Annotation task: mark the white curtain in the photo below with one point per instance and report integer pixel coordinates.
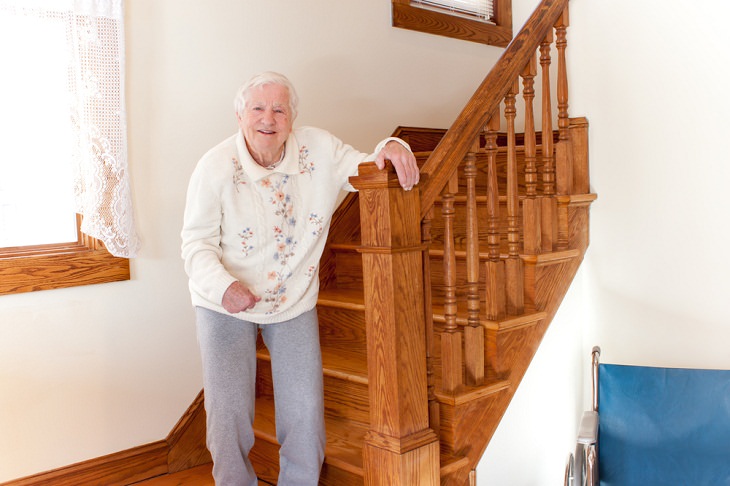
(95, 38)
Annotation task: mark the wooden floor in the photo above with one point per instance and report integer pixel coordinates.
(197, 476)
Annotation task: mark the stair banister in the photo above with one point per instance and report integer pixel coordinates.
(401, 446)
(447, 156)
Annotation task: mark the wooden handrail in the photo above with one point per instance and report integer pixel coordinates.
(450, 152)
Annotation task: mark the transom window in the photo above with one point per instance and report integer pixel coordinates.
(484, 21)
(479, 9)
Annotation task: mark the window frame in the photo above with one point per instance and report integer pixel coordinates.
(63, 265)
(442, 22)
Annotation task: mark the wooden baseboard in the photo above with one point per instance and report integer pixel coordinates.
(187, 438)
(183, 448)
(120, 468)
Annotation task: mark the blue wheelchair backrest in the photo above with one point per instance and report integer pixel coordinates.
(663, 426)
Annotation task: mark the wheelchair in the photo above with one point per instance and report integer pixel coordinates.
(651, 426)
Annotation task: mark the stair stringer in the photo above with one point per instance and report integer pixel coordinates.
(472, 424)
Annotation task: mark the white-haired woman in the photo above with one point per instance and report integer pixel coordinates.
(258, 210)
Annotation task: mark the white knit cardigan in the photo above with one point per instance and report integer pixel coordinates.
(265, 227)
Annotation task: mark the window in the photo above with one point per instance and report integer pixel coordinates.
(479, 9)
(484, 21)
(35, 151)
(63, 146)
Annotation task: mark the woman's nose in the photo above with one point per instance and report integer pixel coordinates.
(268, 117)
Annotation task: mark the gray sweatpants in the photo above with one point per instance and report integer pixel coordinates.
(228, 350)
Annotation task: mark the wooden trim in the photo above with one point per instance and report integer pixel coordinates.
(184, 448)
(187, 438)
(499, 34)
(120, 468)
(43, 267)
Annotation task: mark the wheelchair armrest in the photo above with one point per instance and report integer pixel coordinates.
(588, 431)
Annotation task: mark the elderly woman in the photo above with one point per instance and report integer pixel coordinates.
(258, 210)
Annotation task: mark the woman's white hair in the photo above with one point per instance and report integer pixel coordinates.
(263, 79)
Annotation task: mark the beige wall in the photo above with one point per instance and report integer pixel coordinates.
(94, 370)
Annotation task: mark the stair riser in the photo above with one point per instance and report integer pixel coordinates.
(482, 172)
(502, 345)
(342, 328)
(348, 270)
(264, 458)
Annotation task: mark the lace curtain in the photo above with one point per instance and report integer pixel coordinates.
(95, 38)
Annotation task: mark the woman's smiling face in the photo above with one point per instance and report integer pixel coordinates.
(266, 122)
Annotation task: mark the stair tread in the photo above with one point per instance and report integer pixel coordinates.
(529, 316)
(342, 298)
(465, 394)
(337, 363)
(436, 250)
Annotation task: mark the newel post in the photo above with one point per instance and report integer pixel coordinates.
(399, 448)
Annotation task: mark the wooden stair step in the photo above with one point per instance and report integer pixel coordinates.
(529, 317)
(466, 394)
(331, 296)
(342, 298)
(339, 364)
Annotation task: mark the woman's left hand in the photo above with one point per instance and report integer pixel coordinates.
(403, 161)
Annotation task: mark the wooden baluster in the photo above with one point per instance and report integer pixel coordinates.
(473, 333)
(433, 404)
(451, 344)
(563, 149)
(495, 297)
(531, 205)
(561, 43)
(548, 203)
(513, 265)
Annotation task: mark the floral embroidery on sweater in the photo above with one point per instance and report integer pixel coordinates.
(238, 177)
(285, 243)
(316, 222)
(246, 245)
(305, 167)
(310, 271)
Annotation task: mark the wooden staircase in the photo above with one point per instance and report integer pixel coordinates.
(433, 302)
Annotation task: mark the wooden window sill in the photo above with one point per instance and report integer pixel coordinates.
(45, 267)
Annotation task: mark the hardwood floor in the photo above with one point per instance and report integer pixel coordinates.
(197, 476)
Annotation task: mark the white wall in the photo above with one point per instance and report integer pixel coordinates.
(652, 79)
(94, 370)
(658, 103)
